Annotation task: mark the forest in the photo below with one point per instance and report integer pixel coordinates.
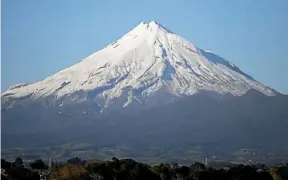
(128, 169)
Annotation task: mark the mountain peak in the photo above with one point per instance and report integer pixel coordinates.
(150, 23)
(153, 25)
(155, 22)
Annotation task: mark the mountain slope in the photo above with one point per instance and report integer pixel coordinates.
(149, 65)
(252, 121)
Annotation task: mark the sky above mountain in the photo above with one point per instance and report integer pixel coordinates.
(40, 38)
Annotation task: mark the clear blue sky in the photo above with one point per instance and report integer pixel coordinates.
(40, 38)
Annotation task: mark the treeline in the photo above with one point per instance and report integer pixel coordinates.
(123, 169)
(16, 171)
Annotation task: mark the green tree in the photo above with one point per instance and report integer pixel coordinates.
(38, 164)
(182, 172)
(18, 162)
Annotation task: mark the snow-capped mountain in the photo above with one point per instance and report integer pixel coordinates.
(147, 65)
(199, 100)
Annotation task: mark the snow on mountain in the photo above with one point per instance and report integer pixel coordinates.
(144, 64)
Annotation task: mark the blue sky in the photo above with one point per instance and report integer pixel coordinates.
(40, 38)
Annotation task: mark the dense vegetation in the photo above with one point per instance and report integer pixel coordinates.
(263, 119)
(129, 169)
